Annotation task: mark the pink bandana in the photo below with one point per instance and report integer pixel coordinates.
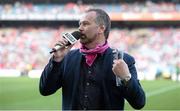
(91, 54)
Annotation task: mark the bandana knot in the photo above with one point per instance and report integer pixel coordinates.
(91, 54)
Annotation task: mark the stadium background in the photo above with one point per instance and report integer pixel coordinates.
(147, 29)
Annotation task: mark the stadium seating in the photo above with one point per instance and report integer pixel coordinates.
(27, 48)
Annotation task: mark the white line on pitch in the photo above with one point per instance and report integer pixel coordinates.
(162, 90)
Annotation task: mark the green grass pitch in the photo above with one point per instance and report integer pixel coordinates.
(23, 94)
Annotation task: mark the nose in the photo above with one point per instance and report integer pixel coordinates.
(80, 28)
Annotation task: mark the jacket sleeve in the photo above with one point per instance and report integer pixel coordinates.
(50, 80)
(133, 91)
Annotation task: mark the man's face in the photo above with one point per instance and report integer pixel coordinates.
(88, 28)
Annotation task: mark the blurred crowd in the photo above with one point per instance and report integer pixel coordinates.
(27, 48)
(76, 8)
(156, 50)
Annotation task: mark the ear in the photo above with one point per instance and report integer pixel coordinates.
(101, 29)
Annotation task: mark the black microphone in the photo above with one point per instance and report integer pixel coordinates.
(72, 38)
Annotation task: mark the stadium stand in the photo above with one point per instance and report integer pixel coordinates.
(30, 11)
(25, 44)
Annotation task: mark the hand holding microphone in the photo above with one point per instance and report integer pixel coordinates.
(62, 47)
(71, 39)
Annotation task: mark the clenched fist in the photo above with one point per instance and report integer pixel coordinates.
(120, 68)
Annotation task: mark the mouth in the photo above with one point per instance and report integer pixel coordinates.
(83, 36)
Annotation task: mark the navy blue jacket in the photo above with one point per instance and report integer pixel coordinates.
(66, 74)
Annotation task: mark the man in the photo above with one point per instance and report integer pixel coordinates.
(87, 75)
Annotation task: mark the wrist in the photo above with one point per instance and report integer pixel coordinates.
(126, 79)
(57, 59)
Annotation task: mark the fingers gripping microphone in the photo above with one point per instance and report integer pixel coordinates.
(71, 38)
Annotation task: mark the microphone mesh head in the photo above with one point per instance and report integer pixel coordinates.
(76, 34)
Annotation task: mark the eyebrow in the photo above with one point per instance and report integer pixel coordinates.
(83, 22)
